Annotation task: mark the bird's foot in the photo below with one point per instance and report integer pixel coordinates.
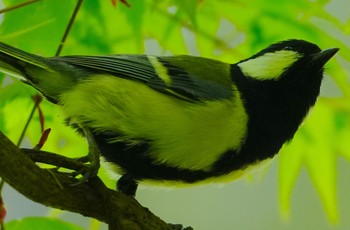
(75, 166)
(93, 158)
(88, 171)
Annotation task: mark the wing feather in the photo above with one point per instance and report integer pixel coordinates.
(184, 83)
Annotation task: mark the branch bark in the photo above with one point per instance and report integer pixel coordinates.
(92, 199)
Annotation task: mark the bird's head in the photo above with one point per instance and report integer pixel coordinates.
(286, 58)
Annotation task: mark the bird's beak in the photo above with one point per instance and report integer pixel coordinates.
(323, 57)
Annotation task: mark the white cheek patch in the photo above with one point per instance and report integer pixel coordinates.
(270, 66)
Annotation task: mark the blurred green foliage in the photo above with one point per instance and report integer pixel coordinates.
(40, 223)
(221, 29)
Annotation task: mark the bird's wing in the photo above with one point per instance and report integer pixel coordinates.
(186, 77)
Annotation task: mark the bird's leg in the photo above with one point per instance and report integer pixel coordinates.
(93, 156)
(127, 185)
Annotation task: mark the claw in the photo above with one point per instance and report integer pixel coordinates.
(87, 174)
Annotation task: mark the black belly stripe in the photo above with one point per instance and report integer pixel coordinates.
(135, 161)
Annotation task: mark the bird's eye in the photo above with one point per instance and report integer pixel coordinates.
(288, 48)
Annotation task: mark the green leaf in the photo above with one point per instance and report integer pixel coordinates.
(38, 32)
(190, 9)
(315, 147)
(135, 16)
(40, 223)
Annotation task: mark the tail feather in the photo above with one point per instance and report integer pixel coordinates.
(20, 55)
(49, 77)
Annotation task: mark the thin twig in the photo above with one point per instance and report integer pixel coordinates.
(19, 142)
(70, 24)
(7, 9)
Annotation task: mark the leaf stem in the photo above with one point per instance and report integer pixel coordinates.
(19, 142)
(7, 9)
(70, 24)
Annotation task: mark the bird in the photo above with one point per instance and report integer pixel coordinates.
(179, 120)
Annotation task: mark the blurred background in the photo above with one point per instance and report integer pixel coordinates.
(305, 187)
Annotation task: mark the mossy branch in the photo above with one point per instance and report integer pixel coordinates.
(91, 199)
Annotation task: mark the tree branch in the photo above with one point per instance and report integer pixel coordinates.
(92, 199)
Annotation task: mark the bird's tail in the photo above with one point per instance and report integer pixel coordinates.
(49, 76)
(14, 61)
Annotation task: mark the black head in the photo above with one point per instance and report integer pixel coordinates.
(300, 46)
(278, 86)
(275, 61)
